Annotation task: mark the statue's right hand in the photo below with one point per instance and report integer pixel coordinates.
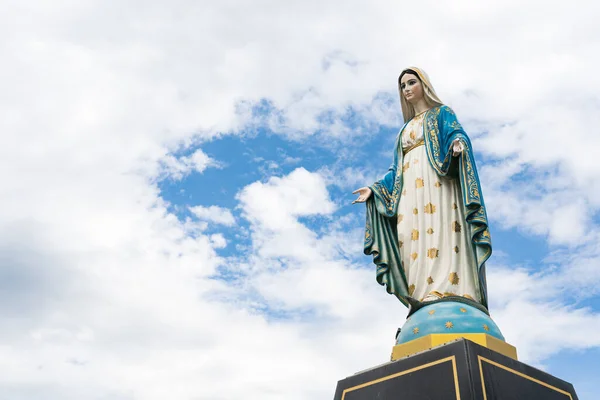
(363, 194)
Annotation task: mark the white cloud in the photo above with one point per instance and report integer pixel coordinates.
(218, 241)
(537, 314)
(215, 214)
(277, 202)
(177, 168)
(295, 264)
(558, 216)
(350, 178)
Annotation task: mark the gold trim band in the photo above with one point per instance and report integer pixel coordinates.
(414, 146)
(437, 339)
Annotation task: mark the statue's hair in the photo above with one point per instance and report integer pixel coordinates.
(408, 71)
(431, 98)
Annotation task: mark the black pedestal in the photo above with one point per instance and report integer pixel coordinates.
(459, 370)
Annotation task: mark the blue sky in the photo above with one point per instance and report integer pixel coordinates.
(176, 212)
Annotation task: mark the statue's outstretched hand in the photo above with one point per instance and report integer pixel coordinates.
(363, 194)
(457, 147)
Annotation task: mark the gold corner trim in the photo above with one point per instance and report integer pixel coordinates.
(522, 375)
(455, 372)
(437, 339)
(452, 359)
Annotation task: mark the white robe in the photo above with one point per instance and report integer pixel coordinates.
(437, 254)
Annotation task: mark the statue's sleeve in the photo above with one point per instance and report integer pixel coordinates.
(381, 237)
(449, 130)
(386, 191)
(388, 180)
(465, 165)
(381, 242)
(452, 128)
(383, 189)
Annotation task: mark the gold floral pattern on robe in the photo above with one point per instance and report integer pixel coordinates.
(456, 227)
(453, 278)
(433, 253)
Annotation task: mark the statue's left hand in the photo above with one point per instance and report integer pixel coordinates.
(457, 147)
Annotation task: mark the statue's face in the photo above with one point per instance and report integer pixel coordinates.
(411, 87)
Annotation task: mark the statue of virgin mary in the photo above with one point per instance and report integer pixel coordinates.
(427, 226)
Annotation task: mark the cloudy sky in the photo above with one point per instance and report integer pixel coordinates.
(176, 182)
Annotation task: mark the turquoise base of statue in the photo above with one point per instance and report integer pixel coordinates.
(447, 317)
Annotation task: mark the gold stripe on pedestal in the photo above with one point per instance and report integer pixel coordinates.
(522, 375)
(436, 339)
(451, 359)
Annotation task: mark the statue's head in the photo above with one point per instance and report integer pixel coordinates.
(414, 85)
